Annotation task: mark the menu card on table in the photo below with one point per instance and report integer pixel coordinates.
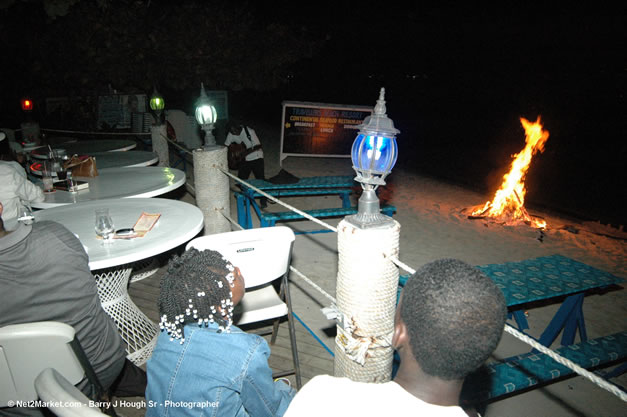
(145, 223)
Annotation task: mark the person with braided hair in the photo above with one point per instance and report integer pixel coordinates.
(202, 361)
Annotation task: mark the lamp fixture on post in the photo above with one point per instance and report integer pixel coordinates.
(206, 116)
(157, 104)
(374, 154)
(158, 131)
(27, 104)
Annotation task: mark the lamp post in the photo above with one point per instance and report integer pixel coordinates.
(367, 280)
(158, 131)
(374, 154)
(210, 184)
(30, 128)
(206, 116)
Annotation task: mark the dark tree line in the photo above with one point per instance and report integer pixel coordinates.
(79, 47)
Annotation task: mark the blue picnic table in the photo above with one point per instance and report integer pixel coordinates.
(308, 186)
(546, 278)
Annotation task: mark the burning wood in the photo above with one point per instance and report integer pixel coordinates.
(507, 206)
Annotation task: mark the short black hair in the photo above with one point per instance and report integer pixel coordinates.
(454, 316)
(196, 288)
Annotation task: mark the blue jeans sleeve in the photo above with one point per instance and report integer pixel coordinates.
(262, 396)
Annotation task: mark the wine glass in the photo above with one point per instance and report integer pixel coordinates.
(104, 224)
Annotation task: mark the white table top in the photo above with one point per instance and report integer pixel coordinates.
(112, 160)
(179, 223)
(119, 183)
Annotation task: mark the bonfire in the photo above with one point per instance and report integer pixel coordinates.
(508, 205)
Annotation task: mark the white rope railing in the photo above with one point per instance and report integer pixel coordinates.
(176, 144)
(567, 363)
(400, 264)
(508, 329)
(95, 133)
(233, 221)
(268, 196)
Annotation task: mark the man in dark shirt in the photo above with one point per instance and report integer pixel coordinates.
(45, 276)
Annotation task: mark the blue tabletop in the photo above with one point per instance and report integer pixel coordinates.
(545, 277)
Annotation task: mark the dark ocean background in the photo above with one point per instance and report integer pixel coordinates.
(458, 80)
(458, 77)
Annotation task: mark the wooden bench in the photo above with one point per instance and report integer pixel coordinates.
(270, 219)
(531, 370)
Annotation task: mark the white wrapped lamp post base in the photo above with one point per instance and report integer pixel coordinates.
(212, 188)
(366, 289)
(158, 134)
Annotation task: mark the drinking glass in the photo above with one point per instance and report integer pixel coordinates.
(46, 177)
(104, 224)
(48, 184)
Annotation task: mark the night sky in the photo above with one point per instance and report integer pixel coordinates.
(457, 77)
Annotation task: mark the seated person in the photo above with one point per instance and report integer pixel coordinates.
(44, 276)
(15, 189)
(449, 320)
(202, 360)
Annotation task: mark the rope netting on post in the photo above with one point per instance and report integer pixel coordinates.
(212, 189)
(366, 296)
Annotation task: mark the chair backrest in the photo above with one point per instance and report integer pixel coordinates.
(262, 254)
(64, 399)
(29, 348)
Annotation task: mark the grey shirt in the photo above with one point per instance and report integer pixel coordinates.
(44, 276)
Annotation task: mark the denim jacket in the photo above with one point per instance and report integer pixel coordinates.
(213, 374)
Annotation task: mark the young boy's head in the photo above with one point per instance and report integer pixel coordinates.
(454, 316)
(199, 287)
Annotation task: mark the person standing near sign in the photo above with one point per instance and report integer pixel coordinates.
(245, 153)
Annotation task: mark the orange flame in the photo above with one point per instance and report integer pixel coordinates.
(508, 202)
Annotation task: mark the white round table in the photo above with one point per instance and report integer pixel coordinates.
(119, 183)
(111, 262)
(104, 160)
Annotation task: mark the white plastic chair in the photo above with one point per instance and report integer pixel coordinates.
(64, 399)
(29, 348)
(262, 255)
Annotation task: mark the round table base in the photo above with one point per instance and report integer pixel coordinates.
(138, 331)
(144, 269)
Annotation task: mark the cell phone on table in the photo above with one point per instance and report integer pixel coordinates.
(125, 232)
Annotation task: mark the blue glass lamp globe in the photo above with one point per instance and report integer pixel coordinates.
(374, 150)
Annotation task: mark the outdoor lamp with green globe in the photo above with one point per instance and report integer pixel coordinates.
(374, 154)
(157, 104)
(206, 116)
